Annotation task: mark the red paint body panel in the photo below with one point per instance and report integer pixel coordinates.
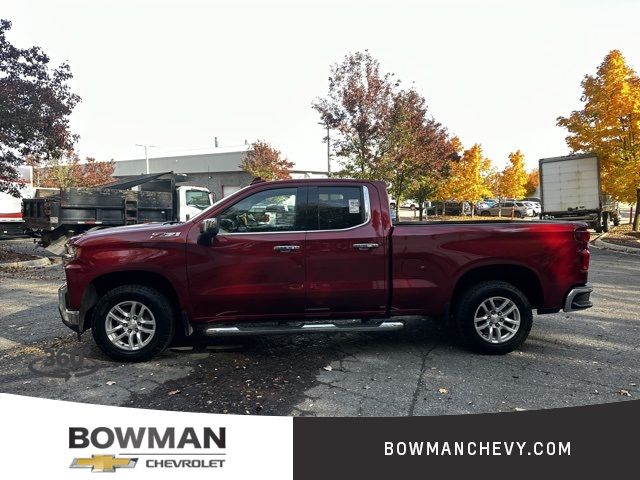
(414, 269)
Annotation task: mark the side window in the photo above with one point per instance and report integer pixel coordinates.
(273, 210)
(340, 207)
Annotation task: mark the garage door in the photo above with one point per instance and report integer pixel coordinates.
(229, 189)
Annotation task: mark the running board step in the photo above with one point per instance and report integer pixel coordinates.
(304, 328)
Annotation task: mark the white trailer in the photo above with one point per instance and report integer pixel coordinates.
(11, 223)
(570, 190)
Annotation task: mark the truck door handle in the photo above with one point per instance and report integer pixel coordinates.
(286, 248)
(365, 246)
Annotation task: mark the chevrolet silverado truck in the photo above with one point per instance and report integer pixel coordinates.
(321, 255)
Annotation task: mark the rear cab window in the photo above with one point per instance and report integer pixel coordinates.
(337, 207)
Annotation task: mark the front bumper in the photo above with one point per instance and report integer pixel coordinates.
(71, 318)
(578, 299)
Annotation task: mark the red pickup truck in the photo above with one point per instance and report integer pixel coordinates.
(301, 256)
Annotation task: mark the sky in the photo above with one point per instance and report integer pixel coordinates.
(176, 74)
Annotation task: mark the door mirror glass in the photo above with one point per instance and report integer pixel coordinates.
(209, 227)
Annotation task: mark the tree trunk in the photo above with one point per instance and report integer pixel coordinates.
(636, 218)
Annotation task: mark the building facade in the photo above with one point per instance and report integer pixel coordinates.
(218, 170)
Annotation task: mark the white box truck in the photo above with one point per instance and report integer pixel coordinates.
(570, 190)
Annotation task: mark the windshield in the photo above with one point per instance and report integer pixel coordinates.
(198, 198)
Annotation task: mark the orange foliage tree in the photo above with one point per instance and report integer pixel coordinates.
(265, 162)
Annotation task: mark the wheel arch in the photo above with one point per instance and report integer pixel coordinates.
(108, 281)
(521, 277)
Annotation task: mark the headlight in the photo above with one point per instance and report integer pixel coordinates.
(71, 252)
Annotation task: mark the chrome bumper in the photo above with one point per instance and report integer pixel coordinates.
(71, 318)
(578, 299)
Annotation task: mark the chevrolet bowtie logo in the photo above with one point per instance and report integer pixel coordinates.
(103, 463)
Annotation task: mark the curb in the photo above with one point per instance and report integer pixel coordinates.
(38, 262)
(599, 243)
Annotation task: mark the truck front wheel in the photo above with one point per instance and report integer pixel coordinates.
(494, 317)
(133, 323)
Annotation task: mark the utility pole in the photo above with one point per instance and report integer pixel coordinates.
(326, 125)
(146, 154)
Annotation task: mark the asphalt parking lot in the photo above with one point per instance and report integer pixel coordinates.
(569, 360)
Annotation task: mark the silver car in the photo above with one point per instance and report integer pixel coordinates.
(505, 208)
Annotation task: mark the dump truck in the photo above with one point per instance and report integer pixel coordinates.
(132, 200)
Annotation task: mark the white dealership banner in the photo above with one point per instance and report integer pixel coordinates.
(42, 438)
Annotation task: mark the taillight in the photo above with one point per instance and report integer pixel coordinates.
(582, 237)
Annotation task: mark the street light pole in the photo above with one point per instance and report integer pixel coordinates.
(326, 125)
(328, 153)
(146, 155)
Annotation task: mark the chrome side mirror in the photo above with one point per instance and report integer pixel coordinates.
(209, 227)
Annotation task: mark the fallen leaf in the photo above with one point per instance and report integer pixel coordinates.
(624, 393)
(443, 390)
(174, 392)
(111, 382)
(328, 368)
(518, 409)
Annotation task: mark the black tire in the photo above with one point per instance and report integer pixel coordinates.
(517, 214)
(485, 213)
(161, 309)
(470, 302)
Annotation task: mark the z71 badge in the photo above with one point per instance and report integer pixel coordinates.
(165, 234)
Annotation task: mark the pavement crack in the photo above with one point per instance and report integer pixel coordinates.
(423, 369)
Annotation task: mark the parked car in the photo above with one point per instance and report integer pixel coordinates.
(329, 253)
(449, 208)
(410, 204)
(505, 209)
(535, 206)
(484, 204)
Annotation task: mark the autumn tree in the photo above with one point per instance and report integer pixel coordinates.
(468, 179)
(35, 104)
(609, 125)
(437, 151)
(264, 161)
(70, 171)
(533, 182)
(358, 108)
(418, 149)
(514, 176)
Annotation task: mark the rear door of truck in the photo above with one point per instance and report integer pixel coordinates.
(345, 251)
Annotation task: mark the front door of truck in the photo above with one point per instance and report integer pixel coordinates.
(254, 266)
(345, 252)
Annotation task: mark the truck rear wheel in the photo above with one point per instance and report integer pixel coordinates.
(605, 221)
(494, 317)
(133, 323)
